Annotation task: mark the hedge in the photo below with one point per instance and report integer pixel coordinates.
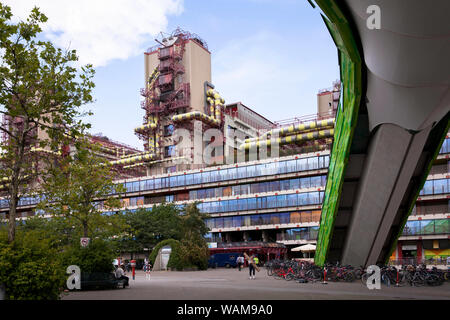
(175, 261)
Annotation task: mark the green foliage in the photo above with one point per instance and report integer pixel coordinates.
(54, 229)
(193, 226)
(42, 90)
(194, 249)
(30, 267)
(98, 256)
(191, 251)
(194, 255)
(148, 227)
(73, 185)
(175, 261)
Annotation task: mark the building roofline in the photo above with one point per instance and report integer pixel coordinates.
(239, 102)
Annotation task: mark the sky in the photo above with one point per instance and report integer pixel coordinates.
(272, 55)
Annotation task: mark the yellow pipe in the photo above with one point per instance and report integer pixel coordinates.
(218, 113)
(303, 127)
(33, 149)
(131, 160)
(197, 115)
(290, 139)
(151, 162)
(146, 127)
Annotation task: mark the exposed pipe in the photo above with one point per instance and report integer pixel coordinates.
(302, 127)
(33, 149)
(290, 139)
(134, 159)
(197, 115)
(151, 162)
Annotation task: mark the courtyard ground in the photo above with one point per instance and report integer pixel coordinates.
(231, 284)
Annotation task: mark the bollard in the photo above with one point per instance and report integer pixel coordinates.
(324, 276)
(397, 284)
(133, 267)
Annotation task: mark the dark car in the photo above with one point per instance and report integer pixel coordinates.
(100, 280)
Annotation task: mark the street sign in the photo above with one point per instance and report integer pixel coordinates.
(84, 242)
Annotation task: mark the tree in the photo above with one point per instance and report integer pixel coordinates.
(75, 186)
(97, 257)
(194, 249)
(148, 227)
(193, 226)
(41, 94)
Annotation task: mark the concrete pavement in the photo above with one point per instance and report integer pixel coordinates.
(230, 284)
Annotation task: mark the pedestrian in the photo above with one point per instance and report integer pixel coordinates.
(240, 262)
(256, 259)
(147, 268)
(251, 266)
(120, 274)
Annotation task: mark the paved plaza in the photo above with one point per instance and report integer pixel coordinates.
(230, 284)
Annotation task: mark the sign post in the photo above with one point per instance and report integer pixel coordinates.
(133, 267)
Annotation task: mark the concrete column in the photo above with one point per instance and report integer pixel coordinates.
(265, 236)
(245, 236)
(419, 250)
(391, 159)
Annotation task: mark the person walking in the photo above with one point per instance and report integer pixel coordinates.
(251, 266)
(240, 262)
(147, 268)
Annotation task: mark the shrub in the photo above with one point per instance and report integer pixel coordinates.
(175, 261)
(194, 255)
(185, 254)
(98, 256)
(31, 268)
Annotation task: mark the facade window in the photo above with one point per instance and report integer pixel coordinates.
(168, 130)
(169, 151)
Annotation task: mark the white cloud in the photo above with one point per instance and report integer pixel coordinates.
(101, 30)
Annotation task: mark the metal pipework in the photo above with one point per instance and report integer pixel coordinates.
(151, 162)
(289, 139)
(152, 123)
(197, 115)
(308, 126)
(146, 127)
(45, 151)
(134, 159)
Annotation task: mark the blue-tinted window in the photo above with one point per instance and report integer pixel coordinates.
(251, 204)
(440, 186)
(181, 180)
(189, 179)
(292, 200)
(237, 221)
(172, 182)
(302, 164)
(313, 163)
(281, 201)
(428, 187)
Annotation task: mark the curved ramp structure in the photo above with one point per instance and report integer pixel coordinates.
(390, 125)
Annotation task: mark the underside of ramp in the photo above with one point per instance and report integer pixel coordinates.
(393, 126)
